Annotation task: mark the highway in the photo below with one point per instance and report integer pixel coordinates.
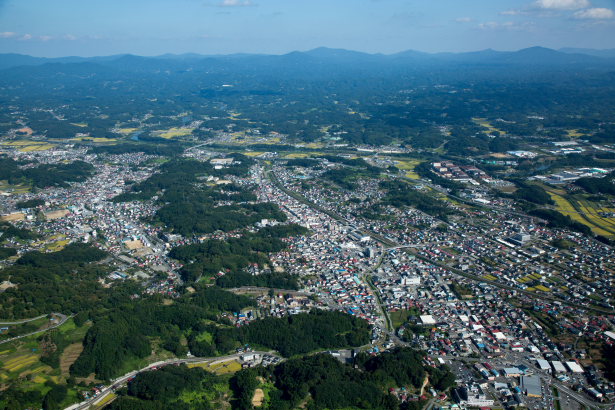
(63, 319)
(123, 380)
(21, 322)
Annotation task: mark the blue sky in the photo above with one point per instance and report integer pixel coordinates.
(153, 27)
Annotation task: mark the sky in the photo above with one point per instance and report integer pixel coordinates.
(53, 28)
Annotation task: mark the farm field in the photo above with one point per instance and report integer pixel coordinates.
(28, 146)
(20, 361)
(228, 367)
(583, 211)
(175, 133)
(484, 123)
(95, 139)
(408, 166)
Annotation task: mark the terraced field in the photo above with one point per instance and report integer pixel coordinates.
(583, 211)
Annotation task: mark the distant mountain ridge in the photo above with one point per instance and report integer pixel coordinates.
(323, 56)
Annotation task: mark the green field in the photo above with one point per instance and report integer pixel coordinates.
(578, 208)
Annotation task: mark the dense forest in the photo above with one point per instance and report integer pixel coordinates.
(315, 382)
(401, 194)
(64, 281)
(44, 175)
(597, 185)
(191, 208)
(207, 259)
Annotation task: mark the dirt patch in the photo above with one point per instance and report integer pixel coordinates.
(259, 397)
(71, 353)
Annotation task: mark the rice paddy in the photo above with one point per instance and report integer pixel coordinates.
(28, 146)
(100, 140)
(585, 212)
(175, 133)
(127, 131)
(408, 167)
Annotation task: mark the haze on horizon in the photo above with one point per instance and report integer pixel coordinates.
(154, 27)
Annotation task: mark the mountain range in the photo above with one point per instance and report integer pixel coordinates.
(534, 56)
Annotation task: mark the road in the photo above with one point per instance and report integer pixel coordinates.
(21, 322)
(393, 245)
(390, 244)
(123, 380)
(63, 319)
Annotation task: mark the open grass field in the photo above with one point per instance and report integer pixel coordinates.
(484, 123)
(400, 317)
(69, 356)
(296, 155)
(228, 367)
(127, 131)
(408, 166)
(56, 245)
(574, 133)
(106, 400)
(99, 140)
(15, 189)
(175, 133)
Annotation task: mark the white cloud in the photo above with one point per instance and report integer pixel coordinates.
(512, 13)
(236, 3)
(507, 25)
(463, 20)
(26, 37)
(45, 38)
(8, 34)
(597, 13)
(562, 4)
(69, 37)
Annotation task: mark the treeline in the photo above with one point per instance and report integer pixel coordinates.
(233, 255)
(306, 332)
(162, 389)
(123, 334)
(291, 335)
(44, 175)
(597, 185)
(31, 203)
(163, 150)
(182, 173)
(401, 194)
(191, 209)
(6, 253)
(532, 193)
(328, 384)
(64, 281)
(353, 170)
(319, 382)
(556, 219)
(9, 231)
(302, 162)
(188, 216)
